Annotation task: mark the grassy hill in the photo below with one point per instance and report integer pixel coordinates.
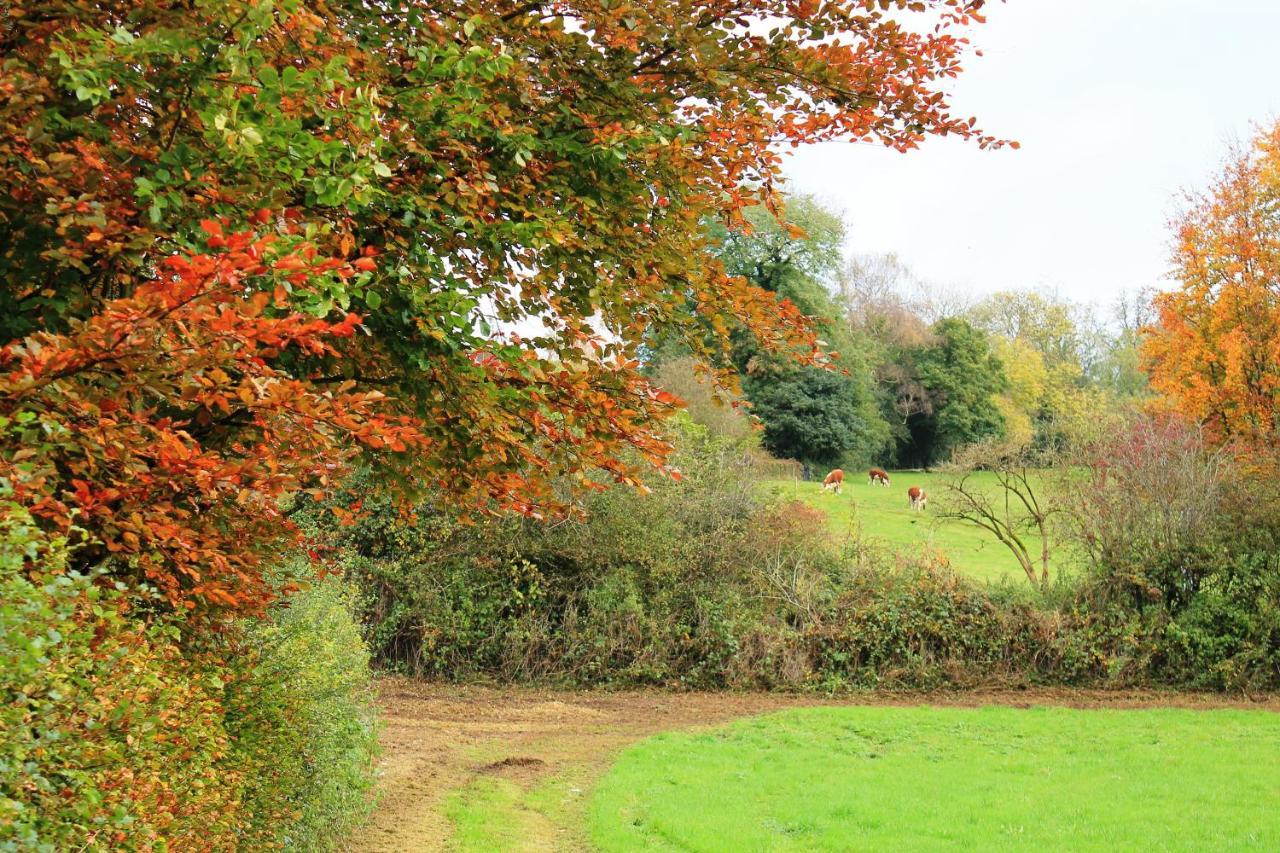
(884, 516)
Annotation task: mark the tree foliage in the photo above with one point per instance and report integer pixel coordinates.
(816, 416)
(242, 241)
(793, 258)
(821, 415)
(99, 450)
(1057, 329)
(1214, 349)
(1062, 367)
(962, 377)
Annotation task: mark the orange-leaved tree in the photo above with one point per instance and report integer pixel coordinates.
(160, 430)
(1214, 349)
(240, 242)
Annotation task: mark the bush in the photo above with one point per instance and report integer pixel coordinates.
(698, 584)
(303, 722)
(656, 588)
(919, 626)
(703, 584)
(1184, 559)
(110, 734)
(119, 732)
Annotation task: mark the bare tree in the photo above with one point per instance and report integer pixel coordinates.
(884, 295)
(1016, 511)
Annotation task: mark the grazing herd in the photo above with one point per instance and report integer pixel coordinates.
(834, 482)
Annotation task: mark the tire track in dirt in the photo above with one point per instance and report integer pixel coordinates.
(437, 739)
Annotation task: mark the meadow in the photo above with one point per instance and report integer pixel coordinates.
(882, 516)
(926, 778)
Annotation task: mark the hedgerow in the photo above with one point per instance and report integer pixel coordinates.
(703, 583)
(120, 731)
(113, 734)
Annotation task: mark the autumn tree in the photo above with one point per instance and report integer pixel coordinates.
(1213, 351)
(820, 415)
(895, 311)
(242, 241)
(882, 296)
(1060, 330)
(1053, 351)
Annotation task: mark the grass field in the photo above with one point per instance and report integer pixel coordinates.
(885, 516)
(991, 778)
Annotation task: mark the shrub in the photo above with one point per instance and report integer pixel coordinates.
(702, 583)
(699, 583)
(1184, 566)
(110, 734)
(922, 625)
(1152, 487)
(117, 731)
(653, 588)
(303, 723)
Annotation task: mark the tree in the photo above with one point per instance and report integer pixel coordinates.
(1055, 355)
(819, 415)
(882, 296)
(1057, 329)
(961, 376)
(1021, 404)
(1015, 511)
(362, 203)
(1214, 349)
(1120, 370)
(893, 310)
(792, 257)
(815, 416)
(722, 414)
(93, 447)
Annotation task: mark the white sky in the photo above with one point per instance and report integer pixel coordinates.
(1118, 104)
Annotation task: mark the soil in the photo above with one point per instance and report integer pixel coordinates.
(439, 738)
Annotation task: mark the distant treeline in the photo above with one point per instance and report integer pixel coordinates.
(917, 371)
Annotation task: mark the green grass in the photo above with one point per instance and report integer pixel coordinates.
(885, 516)
(488, 815)
(944, 778)
(492, 813)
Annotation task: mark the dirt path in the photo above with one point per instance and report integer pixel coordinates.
(438, 739)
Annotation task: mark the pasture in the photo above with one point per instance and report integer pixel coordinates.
(882, 516)
(924, 778)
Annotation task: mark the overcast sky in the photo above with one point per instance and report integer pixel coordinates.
(1118, 104)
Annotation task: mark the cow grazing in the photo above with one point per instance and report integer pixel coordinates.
(834, 481)
(918, 498)
(877, 477)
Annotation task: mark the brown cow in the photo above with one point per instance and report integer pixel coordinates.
(875, 475)
(918, 497)
(834, 481)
